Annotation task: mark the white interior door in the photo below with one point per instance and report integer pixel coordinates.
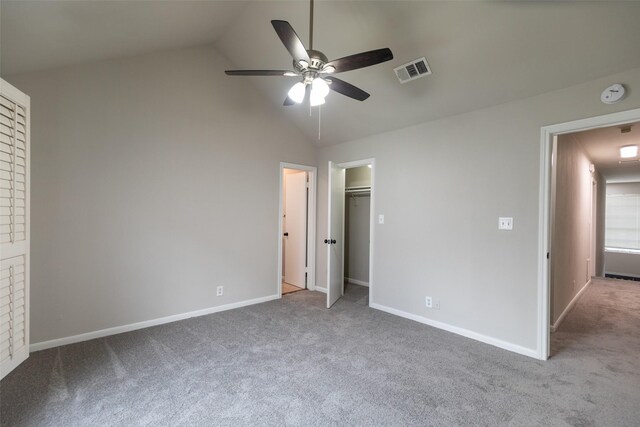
(295, 228)
(335, 234)
(14, 227)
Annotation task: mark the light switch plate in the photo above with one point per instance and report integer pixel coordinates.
(505, 223)
(380, 219)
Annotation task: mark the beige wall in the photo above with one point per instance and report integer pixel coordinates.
(442, 186)
(571, 267)
(154, 180)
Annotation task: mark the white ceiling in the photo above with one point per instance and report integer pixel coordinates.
(603, 148)
(481, 53)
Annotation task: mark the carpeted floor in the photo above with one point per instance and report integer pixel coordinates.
(356, 294)
(294, 362)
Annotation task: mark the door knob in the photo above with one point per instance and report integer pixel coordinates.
(333, 241)
(286, 234)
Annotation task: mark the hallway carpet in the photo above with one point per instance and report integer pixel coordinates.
(293, 362)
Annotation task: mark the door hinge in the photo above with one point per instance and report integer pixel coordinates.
(547, 255)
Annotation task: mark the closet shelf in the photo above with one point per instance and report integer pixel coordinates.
(358, 191)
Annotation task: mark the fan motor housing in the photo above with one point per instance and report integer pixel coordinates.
(318, 61)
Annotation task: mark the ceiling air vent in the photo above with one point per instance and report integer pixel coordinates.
(413, 70)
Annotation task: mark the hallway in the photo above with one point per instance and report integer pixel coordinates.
(604, 325)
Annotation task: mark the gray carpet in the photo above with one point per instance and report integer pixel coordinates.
(294, 362)
(356, 294)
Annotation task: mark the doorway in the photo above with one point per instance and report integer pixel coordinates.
(350, 231)
(296, 226)
(548, 210)
(357, 215)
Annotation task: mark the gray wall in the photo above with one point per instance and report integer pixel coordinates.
(154, 180)
(357, 218)
(622, 263)
(442, 186)
(570, 241)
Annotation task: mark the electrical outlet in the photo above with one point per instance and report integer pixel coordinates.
(429, 302)
(219, 291)
(505, 223)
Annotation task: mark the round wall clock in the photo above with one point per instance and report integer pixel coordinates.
(612, 94)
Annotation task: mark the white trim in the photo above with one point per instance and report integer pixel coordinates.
(311, 224)
(460, 331)
(356, 282)
(569, 306)
(321, 289)
(547, 133)
(372, 214)
(145, 324)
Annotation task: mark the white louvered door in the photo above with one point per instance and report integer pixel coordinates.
(14, 227)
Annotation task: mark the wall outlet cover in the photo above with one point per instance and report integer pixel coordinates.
(219, 291)
(505, 223)
(428, 302)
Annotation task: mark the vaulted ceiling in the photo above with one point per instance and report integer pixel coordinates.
(481, 53)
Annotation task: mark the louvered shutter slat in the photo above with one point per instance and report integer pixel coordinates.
(14, 290)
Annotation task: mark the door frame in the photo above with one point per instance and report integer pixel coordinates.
(547, 136)
(593, 232)
(311, 223)
(348, 165)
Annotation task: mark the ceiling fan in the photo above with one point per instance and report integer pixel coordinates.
(315, 69)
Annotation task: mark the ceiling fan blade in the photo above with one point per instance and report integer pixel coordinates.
(261, 73)
(347, 89)
(361, 60)
(291, 40)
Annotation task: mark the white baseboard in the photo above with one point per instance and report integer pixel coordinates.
(356, 282)
(320, 289)
(145, 324)
(460, 331)
(569, 306)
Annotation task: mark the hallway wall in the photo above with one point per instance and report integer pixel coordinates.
(571, 245)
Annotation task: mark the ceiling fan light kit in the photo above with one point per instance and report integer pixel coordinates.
(297, 92)
(315, 69)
